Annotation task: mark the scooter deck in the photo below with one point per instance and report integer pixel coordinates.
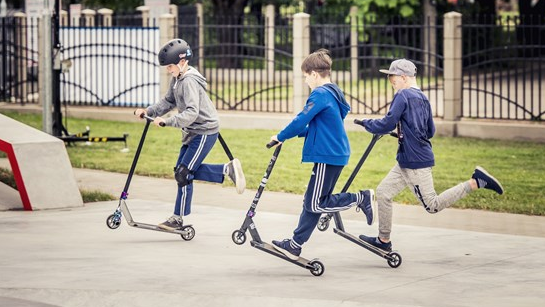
(266, 247)
(380, 252)
(182, 231)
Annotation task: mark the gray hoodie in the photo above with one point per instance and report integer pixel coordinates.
(196, 113)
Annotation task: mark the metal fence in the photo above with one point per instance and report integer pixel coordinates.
(503, 68)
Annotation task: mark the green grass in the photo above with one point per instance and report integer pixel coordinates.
(519, 165)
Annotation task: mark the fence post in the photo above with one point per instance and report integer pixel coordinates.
(21, 62)
(63, 20)
(430, 38)
(173, 9)
(166, 33)
(453, 67)
(269, 39)
(106, 17)
(354, 43)
(200, 21)
(45, 71)
(301, 49)
(144, 10)
(89, 17)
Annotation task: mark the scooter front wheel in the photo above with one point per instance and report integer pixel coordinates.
(238, 237)
(189, 233)
(113, 221)
(323, 223)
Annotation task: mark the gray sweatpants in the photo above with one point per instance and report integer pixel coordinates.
(421, 183)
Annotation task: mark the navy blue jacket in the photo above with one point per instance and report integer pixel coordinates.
(411, 110)
(321, 123)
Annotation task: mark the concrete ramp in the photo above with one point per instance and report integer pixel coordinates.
(40, 166)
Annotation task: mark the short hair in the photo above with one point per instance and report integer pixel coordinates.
(319, 61)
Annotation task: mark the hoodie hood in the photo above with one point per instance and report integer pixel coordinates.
(195, 75)
(339, 96)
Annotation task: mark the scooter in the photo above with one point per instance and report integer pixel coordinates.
(393, 258)
(315, 267)
(187, 232)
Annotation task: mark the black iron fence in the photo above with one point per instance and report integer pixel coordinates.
(503, 67)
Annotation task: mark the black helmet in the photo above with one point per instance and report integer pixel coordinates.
(173, 51)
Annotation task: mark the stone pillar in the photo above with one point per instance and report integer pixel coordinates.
(430, 37)
(200, 47)
(89, 17)
(173, 10)
(145, 15)
(21, 57)
(106, 17)
(354, 43)
(63, 20)
(453, 66)
(166, 33)
(301, 49)
(269, 39)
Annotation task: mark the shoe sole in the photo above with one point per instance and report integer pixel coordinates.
(240, 184)
(373, 206)
(482, 170)
(285, 252)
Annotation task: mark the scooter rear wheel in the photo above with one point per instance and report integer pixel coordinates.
(190, 233)
(394, 260)
(318, 268)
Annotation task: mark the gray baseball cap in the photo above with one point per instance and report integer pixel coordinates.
(401, 67)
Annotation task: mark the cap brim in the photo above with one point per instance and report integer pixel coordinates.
(385, 71)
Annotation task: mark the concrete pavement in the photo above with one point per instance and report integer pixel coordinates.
(68, 257)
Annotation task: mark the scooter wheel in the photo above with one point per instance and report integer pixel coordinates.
(190, 233)
(113, 221)
(238, 237)
(323, 223)
(318, 268)
(394, 260)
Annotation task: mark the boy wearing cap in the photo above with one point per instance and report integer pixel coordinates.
(198, 120)
(410, 114)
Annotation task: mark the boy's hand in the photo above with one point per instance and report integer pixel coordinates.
(140, 113)
(159, 121)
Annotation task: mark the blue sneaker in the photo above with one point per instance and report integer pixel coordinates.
(486, 181)
(288, 247)
(367, 204)
(375, 241)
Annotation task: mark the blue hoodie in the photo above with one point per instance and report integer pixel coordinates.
(321, 123)
(412, 111)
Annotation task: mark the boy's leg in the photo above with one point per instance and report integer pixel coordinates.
(389, 187)
(192, 157)
(421, 181)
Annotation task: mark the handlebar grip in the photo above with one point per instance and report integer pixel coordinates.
(393, 134)
(272, 144)
(162, 124)
(358, 122)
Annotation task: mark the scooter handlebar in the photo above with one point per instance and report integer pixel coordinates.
(360, 122)
(272, 144)
(162, 124)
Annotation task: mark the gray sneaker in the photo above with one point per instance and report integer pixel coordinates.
(173, 223)
(234, 171)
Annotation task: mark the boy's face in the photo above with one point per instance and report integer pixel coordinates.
(398, 82)
(311, 79)
(174, 70)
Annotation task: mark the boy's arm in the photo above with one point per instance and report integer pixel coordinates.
(388, 122)
(298, 125)
(164, 105)
(191, 111)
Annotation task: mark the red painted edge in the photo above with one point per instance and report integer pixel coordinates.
(8, 149)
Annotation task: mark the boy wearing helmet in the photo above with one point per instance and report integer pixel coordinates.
(198, 119)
